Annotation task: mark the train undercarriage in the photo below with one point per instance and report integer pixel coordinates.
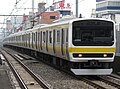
(92, 67)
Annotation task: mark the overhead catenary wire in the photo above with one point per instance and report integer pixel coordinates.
(8, 16)
(15, 5)
(19, 8)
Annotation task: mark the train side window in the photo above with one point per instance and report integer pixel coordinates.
(41, 39)
(44, 37)
(23, 38)
(50, 36)
(34, 37)
(58, 36)
(18, 38)
(38, 37)
(63, 35)
(36, 34)
(67, 35)
(14, 37)
(27, 37)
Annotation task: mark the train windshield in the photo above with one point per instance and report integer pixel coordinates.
(93, 33)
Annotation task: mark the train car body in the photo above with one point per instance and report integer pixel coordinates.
(84, 45)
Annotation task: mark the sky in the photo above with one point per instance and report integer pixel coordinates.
(8, 6)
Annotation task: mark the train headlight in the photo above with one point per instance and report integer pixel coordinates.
(79, 55)
(105, 55)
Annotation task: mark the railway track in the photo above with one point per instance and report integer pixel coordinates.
(25, 77)
(101, 82)
(109, 81)
(92, 83)
(98, 82)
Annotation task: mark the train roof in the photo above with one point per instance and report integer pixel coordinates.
(57, 23)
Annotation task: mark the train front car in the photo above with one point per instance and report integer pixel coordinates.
(93, 46)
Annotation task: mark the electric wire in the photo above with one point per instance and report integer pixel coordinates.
(24, 9)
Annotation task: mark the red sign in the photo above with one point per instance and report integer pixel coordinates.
(61, 4)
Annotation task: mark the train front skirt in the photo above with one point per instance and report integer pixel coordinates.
(92, 71)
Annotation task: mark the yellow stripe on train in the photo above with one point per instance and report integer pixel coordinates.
(91, 50)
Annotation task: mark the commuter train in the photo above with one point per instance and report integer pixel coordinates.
(85, 46)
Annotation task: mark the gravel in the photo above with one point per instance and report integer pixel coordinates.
(56, 78)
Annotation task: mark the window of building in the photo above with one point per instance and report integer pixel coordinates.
(113, 3)
(52, 17)
(103, 4)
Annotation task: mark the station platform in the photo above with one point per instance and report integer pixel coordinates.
(5, 82)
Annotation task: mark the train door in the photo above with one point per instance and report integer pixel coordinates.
(66, 43)
(54, 41)
(29, 39)
(36, 40)
(46, 40)
(22, 40)
(32, 40)
(50, 45)
(41, 40)
(62, 41)
(26, 40)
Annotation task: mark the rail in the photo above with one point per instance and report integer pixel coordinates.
(39, 80)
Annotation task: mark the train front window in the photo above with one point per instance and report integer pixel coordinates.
(93, 33)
